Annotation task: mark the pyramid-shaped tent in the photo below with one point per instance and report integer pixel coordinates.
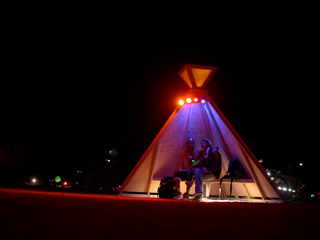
(199, 119)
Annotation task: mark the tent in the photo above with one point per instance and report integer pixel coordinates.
(200, 118)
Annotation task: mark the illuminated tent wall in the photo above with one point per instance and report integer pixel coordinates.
(199, 119)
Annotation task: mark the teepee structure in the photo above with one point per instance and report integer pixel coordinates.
(199, 118)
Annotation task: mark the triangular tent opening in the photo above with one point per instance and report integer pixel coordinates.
(199, 120)
(196, 76)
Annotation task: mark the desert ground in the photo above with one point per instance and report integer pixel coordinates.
(43, 214)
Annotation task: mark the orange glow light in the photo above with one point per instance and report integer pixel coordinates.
(181, 102)
(195, 99)
(188, 100)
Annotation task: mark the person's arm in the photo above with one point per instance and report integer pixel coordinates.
(185, 161)
(197, 155)
(217, 164)
(215, 152)
(205, 156)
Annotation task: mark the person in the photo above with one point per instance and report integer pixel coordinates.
(190, 159)
(210, 167)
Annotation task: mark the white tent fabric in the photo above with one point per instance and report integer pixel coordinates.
(199, 120)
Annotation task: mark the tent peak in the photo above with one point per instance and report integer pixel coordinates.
(196, 76)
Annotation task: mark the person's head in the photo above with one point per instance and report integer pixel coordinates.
(205, 143)
(190, 143)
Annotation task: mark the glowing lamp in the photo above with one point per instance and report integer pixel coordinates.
(34, 180)
(57, 179)
(113, 152)
(181, 102)
(188, 100)
(193, 161)
(203, 101)
(195, 99)
(65, 183)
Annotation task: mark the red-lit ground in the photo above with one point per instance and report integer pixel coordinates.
(35, 214)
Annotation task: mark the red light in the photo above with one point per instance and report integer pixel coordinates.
(188, 100)
(195, 99)
(181, 102)
(65, 183)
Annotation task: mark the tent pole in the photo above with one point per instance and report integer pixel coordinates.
(184, 137)
(224, 144)
(245, 147)
(256, 180)
(247, 150)
(154, 156)
(207, 124)
(211, 135)
(149, 149)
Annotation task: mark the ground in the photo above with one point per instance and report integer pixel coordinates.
(40, 214)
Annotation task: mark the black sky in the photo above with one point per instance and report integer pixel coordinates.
(70, 92)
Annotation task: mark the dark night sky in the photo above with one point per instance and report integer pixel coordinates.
(71, 92)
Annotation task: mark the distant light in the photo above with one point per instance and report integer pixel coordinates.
(203, 101)
(107, 160)
(301, 164)
(65, 183)
(57, 179)
(34, 180)
(284, 189)
(181, 102)
(113, 152)
(188, 100)
(269, 173)
(195, 99)
(260, 160)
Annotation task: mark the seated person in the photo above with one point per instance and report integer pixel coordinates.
(210, 167)
(189, 162)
